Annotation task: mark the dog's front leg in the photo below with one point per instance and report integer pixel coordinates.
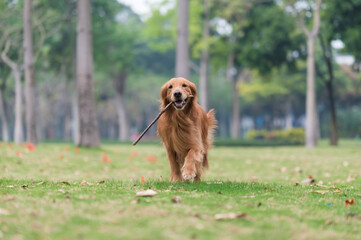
(189, 168)
(175, 174)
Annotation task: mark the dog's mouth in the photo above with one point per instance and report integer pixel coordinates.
(180, 104)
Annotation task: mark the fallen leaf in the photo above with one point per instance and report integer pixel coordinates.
(40, 183)
(66, 149)
(105, 158)
(134, 153)
(84, 183)
(152, 159)
(77, 150)
(66, 183)
(18, 154)
(230, 216)
(62, 191)
(143, 180)
(9, 198)
(321, 191)
(329, 222)
(349, 202)
(283, 169)
(100, 182)
(30, 146)
(337, 191)
(61, 156)
(146, 193)
(308, 180)
(350, 179)
(176, 199)
(4, 212)
(24, 186)
(10, 186)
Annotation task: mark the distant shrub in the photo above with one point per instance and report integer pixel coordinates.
(293, 136)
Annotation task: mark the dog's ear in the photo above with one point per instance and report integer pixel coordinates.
(193, 88)
(163, 94)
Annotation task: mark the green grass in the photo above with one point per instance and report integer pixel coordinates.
(41, 195)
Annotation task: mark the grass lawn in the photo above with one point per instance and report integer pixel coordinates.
(59, 192)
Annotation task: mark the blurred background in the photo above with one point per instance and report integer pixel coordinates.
(255, 62)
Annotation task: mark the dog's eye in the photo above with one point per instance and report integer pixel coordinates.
(170, 86)
(184, 85)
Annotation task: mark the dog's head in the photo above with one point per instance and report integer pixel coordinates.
(180, 91)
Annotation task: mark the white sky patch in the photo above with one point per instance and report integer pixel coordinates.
(337, 44)
(222, 26)
(144, 7)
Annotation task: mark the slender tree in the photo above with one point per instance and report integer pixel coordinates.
(204, 69)
(182, 51)
(88, 126)
(311, 103)
(29, 74)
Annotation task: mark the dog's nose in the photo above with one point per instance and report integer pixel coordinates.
(177, 94)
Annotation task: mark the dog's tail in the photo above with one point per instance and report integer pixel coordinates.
(212, 125)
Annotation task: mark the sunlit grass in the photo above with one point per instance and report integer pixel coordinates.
(60, 192)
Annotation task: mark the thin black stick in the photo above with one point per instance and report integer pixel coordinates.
(151, 124)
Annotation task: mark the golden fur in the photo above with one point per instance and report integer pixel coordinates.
(187, 133)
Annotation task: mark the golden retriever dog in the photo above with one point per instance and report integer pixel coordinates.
(186, 130)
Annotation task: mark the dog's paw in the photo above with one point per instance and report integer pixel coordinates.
(188, 173)
(175, 179)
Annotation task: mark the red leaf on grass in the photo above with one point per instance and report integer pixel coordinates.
(143, 180)
(77, 150)
(105, 158)
(349, 202)
(152, 159)
(61, 156)
(134, 153)
(30, 146)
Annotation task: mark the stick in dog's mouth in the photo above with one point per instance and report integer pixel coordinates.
(156, 119)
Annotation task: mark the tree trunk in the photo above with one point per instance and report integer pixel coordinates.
(203, 79)
(232, 76)
(334, 135)
(88, 126)
(182, 51)
(327, 55)
(236, 110)
(311, 111)
(18, 129)
(119, 84)
(29, 75)
(288, 124)
(4, 120)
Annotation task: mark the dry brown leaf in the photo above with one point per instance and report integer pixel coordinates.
(309, 180)
(84, 183)
(146, 193)
(66, 183)
(329, 222)
(9, 198)
(62, 191)
(321, 191)
(349, 202)
(350, 179)
(337, 191)
(176, 199)
(229, 216)
(40, 183)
